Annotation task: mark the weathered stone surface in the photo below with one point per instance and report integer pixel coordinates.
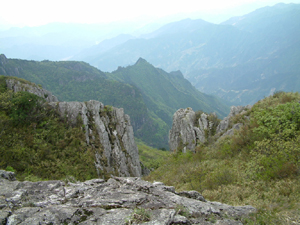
(192, 194)
(8, 175)
(230, 132)
(109, 130)
(16, 86)
(111, 202)
(186, 133)
(182, 133)
(234, 110)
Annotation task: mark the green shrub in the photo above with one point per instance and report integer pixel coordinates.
(183, 211)
(24, 108)
(139, 215)
(10, 168)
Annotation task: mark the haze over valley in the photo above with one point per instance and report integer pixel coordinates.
(240, 59)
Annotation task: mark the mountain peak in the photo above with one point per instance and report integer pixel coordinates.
(3, 59)
(141, 60)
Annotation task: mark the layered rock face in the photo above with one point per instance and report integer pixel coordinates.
(109, 131)
(112, 202)
(188, 131)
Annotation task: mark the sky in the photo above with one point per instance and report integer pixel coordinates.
(39, 12)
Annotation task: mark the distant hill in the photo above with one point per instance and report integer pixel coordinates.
(59, 41)
(150, 103)
(244, 52)
(270, 59)
(165, 92)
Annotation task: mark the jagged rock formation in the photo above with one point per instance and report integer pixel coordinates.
(16, 86)
(109, 130)
(182, 134)
(112, 202)
(189, 130)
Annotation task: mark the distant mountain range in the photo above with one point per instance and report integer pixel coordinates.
(240, 60)
(148, 94)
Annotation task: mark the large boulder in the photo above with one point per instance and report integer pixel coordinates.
(112, 202)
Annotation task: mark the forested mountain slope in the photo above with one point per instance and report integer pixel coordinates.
(165, 92)
(78, 81)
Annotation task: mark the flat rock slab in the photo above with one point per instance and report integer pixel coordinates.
(109, 202)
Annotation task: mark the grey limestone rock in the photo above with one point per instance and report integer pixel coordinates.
(186, 133)
(234, 110)
(182, 133)
(16, 86)
(111, 202)
(107, 129)
(7, 175)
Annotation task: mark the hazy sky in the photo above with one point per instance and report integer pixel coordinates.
(39, 12)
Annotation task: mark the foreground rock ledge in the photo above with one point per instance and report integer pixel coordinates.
(111, 202)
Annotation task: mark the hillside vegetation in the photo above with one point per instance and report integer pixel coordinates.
(36, 143)
(259, 165)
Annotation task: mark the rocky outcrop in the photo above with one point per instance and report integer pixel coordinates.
(182, 134)
(109, 131)
(189, 129)
(234, 110)
(112, 202)
(16, 86)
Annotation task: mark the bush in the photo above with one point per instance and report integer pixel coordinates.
(283, 119)
(183, 211)
(24, 108)
(139, 215)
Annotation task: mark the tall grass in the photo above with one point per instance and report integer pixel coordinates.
(259, 165)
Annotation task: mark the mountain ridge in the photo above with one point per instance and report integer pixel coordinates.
(248, 43)
(78, 81)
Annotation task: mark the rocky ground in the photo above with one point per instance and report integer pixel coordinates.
(126, 200)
